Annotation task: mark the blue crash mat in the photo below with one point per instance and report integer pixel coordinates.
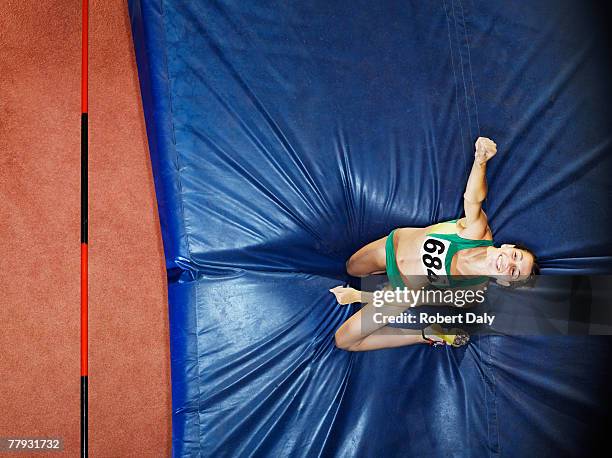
(286, 135)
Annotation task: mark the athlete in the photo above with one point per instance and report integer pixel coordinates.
(453, 254)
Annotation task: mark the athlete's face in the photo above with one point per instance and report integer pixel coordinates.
(509, 264)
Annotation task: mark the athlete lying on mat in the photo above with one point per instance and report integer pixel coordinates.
(435, 255)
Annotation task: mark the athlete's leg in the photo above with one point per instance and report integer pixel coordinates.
(369, 260)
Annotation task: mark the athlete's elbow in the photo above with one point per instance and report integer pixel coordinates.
(352, 269)
(343, 341)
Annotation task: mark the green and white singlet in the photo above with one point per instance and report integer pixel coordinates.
(440, 245)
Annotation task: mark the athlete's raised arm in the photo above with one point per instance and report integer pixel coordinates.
(475, 221)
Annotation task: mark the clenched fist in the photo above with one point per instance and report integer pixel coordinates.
(485, 150)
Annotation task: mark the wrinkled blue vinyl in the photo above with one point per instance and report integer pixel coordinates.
(286, 135)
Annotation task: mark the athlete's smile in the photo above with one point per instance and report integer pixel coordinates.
(500, 263)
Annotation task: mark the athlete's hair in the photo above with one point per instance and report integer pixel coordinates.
(529, 282)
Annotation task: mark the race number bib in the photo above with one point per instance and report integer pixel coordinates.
(433, 255)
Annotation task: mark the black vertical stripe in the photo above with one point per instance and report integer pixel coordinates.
(84, 180)
(84, 443)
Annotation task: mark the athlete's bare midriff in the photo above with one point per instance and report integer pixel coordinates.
(408, 242)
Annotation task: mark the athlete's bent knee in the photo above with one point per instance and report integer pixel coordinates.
(342, 341)
(351, 268)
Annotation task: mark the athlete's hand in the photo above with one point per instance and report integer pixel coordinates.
(485, 150)
(345, 295)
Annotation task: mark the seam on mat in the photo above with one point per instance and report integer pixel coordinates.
(493, 424)
(458, 22)
(469, 55)
(494, 399)
(464, 92)
(450, 45)
(178, 164)
(175, 150)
